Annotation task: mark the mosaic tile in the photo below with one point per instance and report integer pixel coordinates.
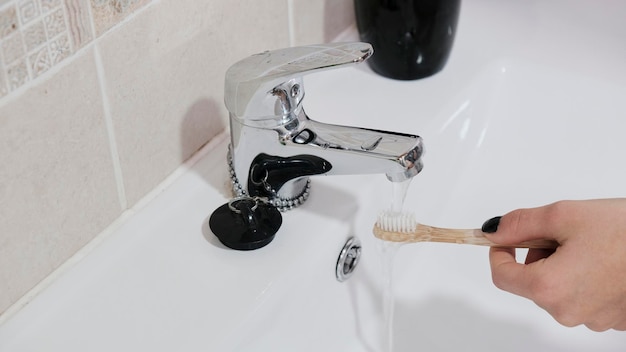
(12, 48)
(17, 75)
(79, 25)
(8, 21)
(39, 62)
(34, 36)
(28, 10)
(59, 49)
(49, 5)
(55, 23)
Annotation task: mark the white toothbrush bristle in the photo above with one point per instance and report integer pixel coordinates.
(396, 221)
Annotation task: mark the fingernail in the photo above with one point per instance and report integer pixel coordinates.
(491, 225)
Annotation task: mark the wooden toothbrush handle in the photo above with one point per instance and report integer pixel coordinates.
(474, 236)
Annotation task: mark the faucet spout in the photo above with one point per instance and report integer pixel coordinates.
(356, 150)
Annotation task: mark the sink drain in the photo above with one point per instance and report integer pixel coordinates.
(348, 259)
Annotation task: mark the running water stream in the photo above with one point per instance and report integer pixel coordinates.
(388, 252)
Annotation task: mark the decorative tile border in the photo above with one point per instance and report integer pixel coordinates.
(28, 29)
(35, 35)
(79, 22)
(107, 13)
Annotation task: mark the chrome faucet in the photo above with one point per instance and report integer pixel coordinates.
(275, 146)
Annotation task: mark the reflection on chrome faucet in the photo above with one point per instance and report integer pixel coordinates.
(275, 146)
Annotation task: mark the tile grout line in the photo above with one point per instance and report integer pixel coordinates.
(92, 24)
(108, 119)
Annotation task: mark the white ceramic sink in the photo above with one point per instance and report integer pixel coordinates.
(529, 110)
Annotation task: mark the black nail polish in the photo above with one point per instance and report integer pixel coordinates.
(491, 225)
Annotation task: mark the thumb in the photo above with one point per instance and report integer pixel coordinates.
(519, 226)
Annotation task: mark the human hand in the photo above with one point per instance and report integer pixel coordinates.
(583, 281)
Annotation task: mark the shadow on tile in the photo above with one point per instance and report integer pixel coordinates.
(202, 121)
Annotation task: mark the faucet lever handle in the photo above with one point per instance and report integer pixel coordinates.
(249, 81)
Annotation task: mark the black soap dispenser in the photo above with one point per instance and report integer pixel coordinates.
(412, 39)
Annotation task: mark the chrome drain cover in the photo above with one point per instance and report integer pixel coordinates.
(348, 259)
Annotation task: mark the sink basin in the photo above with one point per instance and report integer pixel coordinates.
(528, 111)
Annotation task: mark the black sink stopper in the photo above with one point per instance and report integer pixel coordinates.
(245, 223)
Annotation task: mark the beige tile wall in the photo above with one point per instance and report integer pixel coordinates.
(317, 21)
(100, 100)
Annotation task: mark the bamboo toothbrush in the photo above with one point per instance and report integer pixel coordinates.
(402, 227)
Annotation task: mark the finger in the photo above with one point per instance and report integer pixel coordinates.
(507, 274)
(535, 254)
(597, 327)
(621, 326)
